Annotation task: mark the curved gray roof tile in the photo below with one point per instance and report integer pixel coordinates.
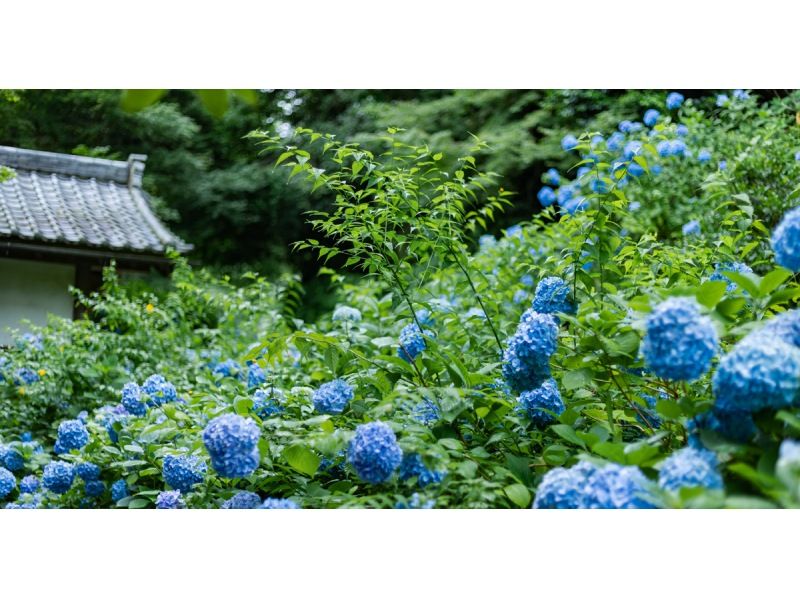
(59, 198)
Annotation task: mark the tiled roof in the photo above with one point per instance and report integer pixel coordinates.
(75, 200)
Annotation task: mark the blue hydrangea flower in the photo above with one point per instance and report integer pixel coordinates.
(632, 148)
(691, 228)
(412, 466)
(797, 156)
(722, 100)
(618, 487)
(119, 490)
(412, 342)
(552, 177)
(344, 313)
(704, 156)
(159, 390)
(526, 359)
(563, 488)
(232, 442)
(332, 397)
(95, 488)
(374, 453)
(24, 376)
(553, 296)
(677, 147)
(72, 434)
(760, 372)
(536, 404)
(131, 399)
(170, 499)
(26, 437)
(682, 130)
(11, 459)
(598, 185)
(415, 502)
(564, 194)
(88, 472)
(679, 341)
(733, 424)
(651, 117)
(546, 196)
(268, 402)
(634, 205)
(575, 205)
(58, 476)
(229, 368)
(625, 126)
(569, 142)
(486, 241)
(786, 241)
(674, 100)
(520, 295)
(635, 169)
(243, 500)
(256, 376)
(664, 149)
(615, 141)
(689, 467)
(723, 165)
(426, 412)
(279, 503)
(29, 484)
(785, 326)
(7, 482)
(740, 94)
(181, 472)
(721, 269)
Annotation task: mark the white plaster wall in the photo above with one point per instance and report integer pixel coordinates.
(31, 290)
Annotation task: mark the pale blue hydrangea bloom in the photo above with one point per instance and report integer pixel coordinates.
(552, 177)
(539, 404)
(690, 467)
(526, 359)
(721, 269)
(704, 156)
(679, 341)
(722, 100)
(344, 313)
(29, 484)
(170, 499)
(786, 241)
(243, 500)
(587, 486)
(651, 117)
(10, 458)
(546, 196)
(674, 100)
(569, 142)
(58, 476)
(132, 399)
(760, 372)
(691, 228)
(374, 453)
(415, 502)
(88, 472)
(182, 472)
(232, 442)
(7, 482)
(119, 490)
(279, 503)
(682, 130)
(332, 397)
(268, 402)
(553, 296)
(72, 434)
(412, 466)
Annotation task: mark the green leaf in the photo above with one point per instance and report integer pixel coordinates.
(139, 503)
(710, 292)
(730, 307)
(772, 280)
(747, 281)
(134, 100)
(242, 405)
(576, 379)
(214, 100)
(302, 459)
(567, 433)
(669, 409)
(518, 494)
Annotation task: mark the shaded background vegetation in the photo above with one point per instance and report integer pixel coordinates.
(209, 183)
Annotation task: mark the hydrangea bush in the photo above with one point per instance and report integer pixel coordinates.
(633, 345)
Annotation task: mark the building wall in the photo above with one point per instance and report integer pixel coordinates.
(31, 290)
